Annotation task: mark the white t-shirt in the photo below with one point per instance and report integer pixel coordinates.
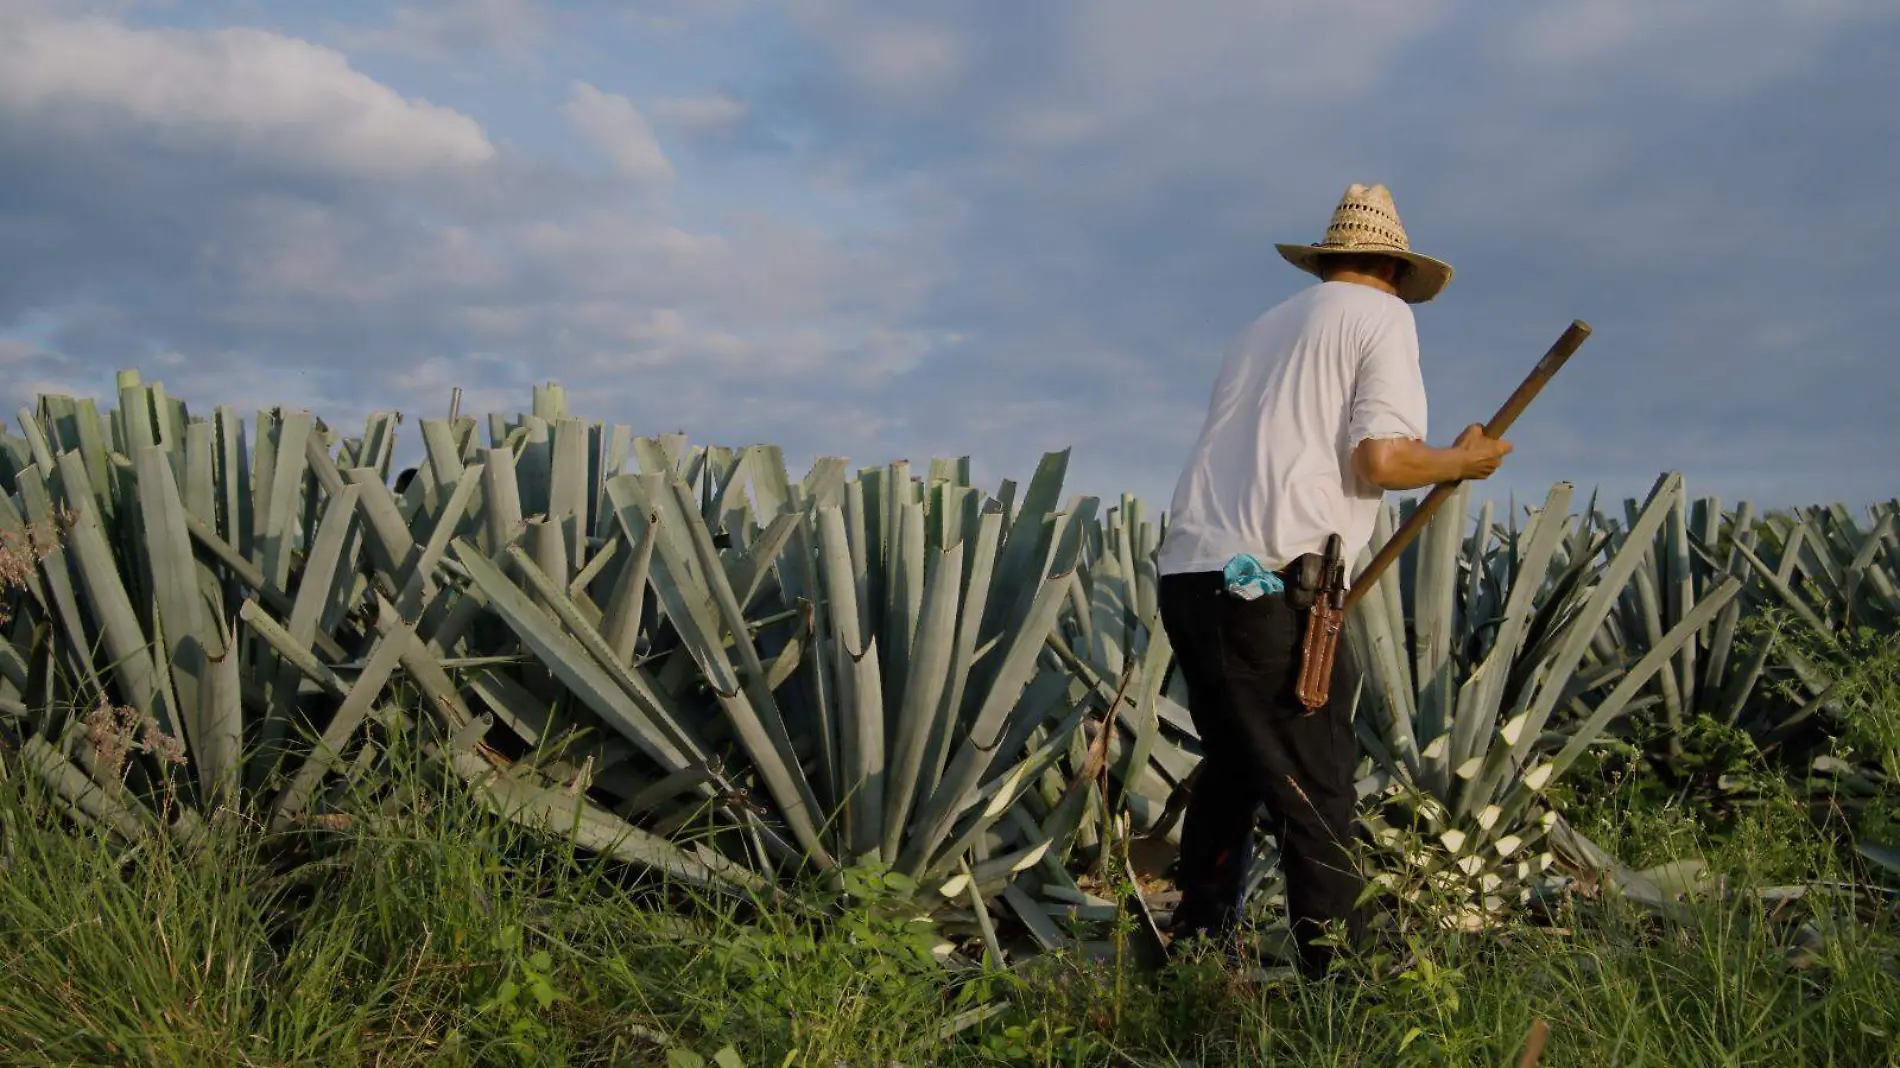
(1299, 389)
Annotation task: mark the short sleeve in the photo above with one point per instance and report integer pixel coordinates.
(1388, 395)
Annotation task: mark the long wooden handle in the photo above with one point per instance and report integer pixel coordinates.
(1520, 399)
(1534, 1044)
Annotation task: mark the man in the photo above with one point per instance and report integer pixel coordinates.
(1318, 409)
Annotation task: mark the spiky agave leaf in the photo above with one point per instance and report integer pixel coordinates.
(1475, 833)
(149, 663)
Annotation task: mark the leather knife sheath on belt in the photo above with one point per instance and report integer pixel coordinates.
(1319, 586)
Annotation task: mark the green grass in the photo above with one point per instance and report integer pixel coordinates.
(432, 933)
(439, 935)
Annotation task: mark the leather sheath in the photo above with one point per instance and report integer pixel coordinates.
(1321, 642)
(1324, 620)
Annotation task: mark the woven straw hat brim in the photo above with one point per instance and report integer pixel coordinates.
(1427, 278)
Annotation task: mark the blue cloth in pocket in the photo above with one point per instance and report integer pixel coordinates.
(1247, 579)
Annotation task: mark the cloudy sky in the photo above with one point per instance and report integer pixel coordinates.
(974, 227)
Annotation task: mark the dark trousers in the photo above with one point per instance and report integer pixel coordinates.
(1241, 661)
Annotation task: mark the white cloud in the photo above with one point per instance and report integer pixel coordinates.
(905, 57)
(1133, 51)
(615, 127)
(32, 370)
(1709, 47)
(445, 30)
(284, 250)
(701, 114)
(901, 59)
(260, 93)
(1051, 126)
(1088, 195)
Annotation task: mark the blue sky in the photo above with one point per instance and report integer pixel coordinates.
(897, 231)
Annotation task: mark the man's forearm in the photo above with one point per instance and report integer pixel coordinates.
(1400, 464)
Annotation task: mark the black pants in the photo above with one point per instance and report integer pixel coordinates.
(1241, 662)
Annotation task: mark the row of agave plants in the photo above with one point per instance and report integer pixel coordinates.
(686, 658)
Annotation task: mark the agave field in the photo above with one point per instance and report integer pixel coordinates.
(716, 670)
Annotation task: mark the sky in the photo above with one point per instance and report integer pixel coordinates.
(976, 228)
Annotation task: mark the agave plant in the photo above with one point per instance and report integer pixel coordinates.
(682, 656)
(1484, 673)
(206, 608)
(1111, 633)
(1817, 591)
(1476, 700)
(1824, 610)
(1834, 579)
(674, 654)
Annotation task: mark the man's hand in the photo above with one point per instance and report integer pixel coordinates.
(1482, 454)
(1401, 464)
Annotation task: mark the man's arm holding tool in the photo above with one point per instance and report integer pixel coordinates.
(1404, 464)
(1399, 463)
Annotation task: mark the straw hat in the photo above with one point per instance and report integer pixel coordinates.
(1366, 222)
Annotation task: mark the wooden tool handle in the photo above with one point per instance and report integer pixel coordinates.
(1520, 399)
(1546, 369)
(1534, 1044)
